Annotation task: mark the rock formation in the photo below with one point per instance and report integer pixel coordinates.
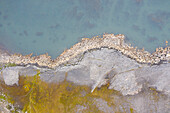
(95, 62)
(108, 41)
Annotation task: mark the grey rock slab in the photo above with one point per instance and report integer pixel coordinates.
(101, 62)
(125, 83)
(157, 76)
(11, 75)
(28, 71)
(80, 75)
(53, 77)
(131, 82)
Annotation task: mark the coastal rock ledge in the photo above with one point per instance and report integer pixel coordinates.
(141, 78)
(110, 41)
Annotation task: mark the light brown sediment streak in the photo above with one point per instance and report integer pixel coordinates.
(108, 40)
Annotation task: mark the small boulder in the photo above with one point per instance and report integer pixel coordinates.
(11, 75)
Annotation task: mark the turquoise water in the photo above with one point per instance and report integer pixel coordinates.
(51, 26)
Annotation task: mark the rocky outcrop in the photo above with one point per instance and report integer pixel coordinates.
(140, 85)
(97, 68)
(109, 41)
(141, 78)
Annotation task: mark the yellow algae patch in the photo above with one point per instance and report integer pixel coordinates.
(37, 96)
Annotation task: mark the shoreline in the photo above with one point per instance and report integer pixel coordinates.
(109, 41)
(96, 63)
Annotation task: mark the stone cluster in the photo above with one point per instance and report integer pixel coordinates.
(161, 54)
(107, 41)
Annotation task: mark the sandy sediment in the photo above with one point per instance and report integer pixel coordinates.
(108, 41)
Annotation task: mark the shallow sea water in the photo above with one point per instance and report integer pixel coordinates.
(51, 26)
